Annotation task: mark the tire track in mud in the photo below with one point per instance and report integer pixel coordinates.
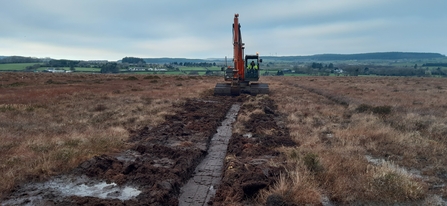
(160, 162)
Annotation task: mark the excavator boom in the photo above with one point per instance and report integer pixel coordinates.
(243, 72)
(238, 47)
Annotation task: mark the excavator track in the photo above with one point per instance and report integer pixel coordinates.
(259, 88)
(226, 89)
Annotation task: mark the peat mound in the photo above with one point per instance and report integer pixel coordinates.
(252, 162)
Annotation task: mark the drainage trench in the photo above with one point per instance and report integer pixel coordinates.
(207, 175)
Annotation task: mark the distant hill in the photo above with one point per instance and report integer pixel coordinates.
(363, 56)
(19, 59)
(167, 60)
(316, 57)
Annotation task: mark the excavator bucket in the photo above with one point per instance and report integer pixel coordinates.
(259, 88)
(226, 89)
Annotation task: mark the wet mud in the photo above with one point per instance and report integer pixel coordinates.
(162, 159)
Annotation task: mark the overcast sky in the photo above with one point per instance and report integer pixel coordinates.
(113, 29)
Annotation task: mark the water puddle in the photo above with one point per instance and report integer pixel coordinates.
(201, 187)
(100, 190)
(61, 187)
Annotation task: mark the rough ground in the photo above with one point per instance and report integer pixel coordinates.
(251, 156)
(161, 160)
(322, 114)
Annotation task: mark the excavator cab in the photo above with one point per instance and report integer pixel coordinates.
(251, 72)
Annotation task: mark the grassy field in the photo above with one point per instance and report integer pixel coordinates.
(15, 67)
(22, 67)
(361, 140)
(77, 69)
(153, 72)
(84, 69)
(185, 68)
(295, 75)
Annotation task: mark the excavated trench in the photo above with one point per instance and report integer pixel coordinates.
(202, 186)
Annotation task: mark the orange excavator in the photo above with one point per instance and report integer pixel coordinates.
(239, 77)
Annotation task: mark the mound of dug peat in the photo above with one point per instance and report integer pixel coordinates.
(252, 162)
(161, 160)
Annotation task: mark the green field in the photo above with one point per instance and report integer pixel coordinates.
(295, 75)
(85, 69)
(272, 69)
(22, 67)
(15, 67)
(213, 68)
(152, 72)
(77, 69)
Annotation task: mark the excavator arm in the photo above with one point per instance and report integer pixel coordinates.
(238, 48)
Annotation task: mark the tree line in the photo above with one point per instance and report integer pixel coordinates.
(320, 69)
(435, 65)
(19, 59)
(133, 60)
(363, 56)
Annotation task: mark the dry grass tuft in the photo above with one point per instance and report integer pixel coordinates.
(296, 186)
(292, 188)
(393, 183)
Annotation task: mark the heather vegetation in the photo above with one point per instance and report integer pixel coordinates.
(359, 140)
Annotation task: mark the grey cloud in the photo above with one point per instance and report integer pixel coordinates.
(201, 29)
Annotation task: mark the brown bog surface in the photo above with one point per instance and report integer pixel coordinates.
(50, 123)
(312, 140)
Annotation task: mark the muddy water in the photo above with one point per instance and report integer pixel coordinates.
(201, 187)
(58, 188)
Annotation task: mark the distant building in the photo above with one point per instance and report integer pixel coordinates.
(53, 70)
(155, 69)
(136, 69)
(145, 69)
